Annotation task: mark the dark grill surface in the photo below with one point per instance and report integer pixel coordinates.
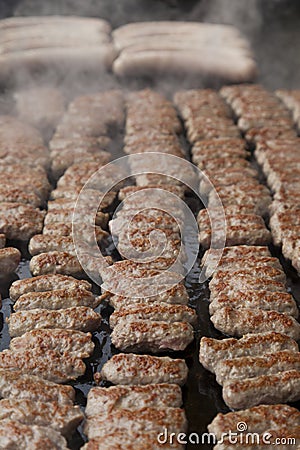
(202, 394)
(279, 65)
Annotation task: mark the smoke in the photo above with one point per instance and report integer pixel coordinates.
(247, 16)
(272, 27)
(115, 11)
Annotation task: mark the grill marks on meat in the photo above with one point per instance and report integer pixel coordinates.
(104, 401)
(14, 384)
(265, 300)
(148, 242)
(251, 261)
(66, 215)
(253, 366)
(238, 322)
(90, 116)
(135, 269)
(271, 273)
(24, 186)
(290, 98)
(91, 194)
(281, 222)
(86, 230)
(212, 351)
(248, 283)
(15, 435)
(176, 295)
(219, 155)
(131, 369)
(236, 186)
(151, 336)
(35, 177)
(276, 142)
(145, 420)
(12, 194)
(57, 299)
(9, 260)
(55, 262)
(116, 279)
(156, 312)
(79, 318)
(41, 243)
(259, 419)
(20, 221)
(46, 283)
(53, 366)
(138, 440)
(239, 230)
(62, 418)
(247, 192)
(70, 342)
(93, 153)
(240, 251)
(84, 128)
(283, 387)
(20, 140)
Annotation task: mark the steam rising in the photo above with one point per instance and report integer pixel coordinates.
(275, 45)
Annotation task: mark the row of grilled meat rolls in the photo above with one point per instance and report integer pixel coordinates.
(276, 146)
(78, 149)
(54, 312)
(146, 397)
(248, 294)
(24, 154)
(20, 199)
(284, 181)
(31, 399)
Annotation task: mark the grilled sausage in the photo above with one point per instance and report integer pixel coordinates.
(52, 365)
(71, 342)
(9, 260)
(282, 387)
(131, 369)
(102, 401)
(16, 435)
(46, 283)
(17, 385)
(253, 366)
(155, 311)
(62, 418)
(147, 420)
(57, 299)
(79, 318)
(237, 322)
(213, 350)
(153, 336)
(276, 301)
(259, 419)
